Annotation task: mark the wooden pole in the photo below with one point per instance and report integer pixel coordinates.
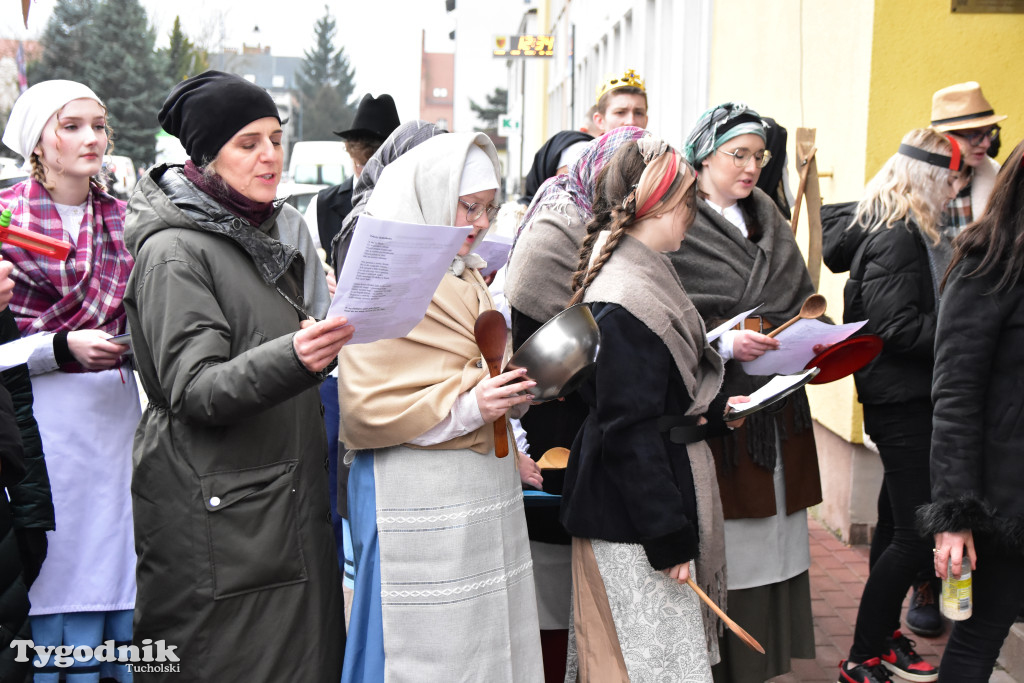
(808, 168)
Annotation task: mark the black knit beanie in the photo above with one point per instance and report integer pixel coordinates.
(206, 111)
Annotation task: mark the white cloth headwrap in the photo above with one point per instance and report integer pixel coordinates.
(35, 107)
(477, 173)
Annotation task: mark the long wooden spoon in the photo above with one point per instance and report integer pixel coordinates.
(814, 307)
(491, 335)
(733, 626)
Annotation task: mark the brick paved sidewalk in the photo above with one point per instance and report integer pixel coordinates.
(838, 573)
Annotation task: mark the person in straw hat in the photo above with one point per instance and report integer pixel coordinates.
(962, 111)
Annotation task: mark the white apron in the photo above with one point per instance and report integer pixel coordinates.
(87, 422)
(456, 576)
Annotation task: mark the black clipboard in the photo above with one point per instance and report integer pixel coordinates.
(806, 376)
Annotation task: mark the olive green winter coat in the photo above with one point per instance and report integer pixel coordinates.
(237, 565)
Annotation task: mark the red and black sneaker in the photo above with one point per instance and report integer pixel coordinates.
(870, 671)
(901, 659)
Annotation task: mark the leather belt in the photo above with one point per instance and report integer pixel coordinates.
(755, 323)
(682, 429)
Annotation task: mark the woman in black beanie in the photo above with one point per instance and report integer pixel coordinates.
(237, 567)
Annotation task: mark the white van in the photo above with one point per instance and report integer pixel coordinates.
(319, 162)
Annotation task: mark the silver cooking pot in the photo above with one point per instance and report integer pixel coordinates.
(561, 354)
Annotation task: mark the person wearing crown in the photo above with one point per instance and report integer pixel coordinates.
(621, 101)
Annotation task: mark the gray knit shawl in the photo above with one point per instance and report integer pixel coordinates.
(645, 284)
(725, 273)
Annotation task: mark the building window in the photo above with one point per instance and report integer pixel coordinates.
(440, 92)
(442, 123)
(250, 77)
(277, 81)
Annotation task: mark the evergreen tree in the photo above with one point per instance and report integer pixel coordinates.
(108, 46)
(323, 69)
(123, 69)
(320, 116)
(497, 106)
(68, 41)
(182, 58)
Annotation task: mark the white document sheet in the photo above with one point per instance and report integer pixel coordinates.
(778, 388)
(730, 323)
(796, 346)
(390, 274)
(495, 250)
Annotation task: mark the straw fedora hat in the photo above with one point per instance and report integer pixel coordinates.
(961, 106)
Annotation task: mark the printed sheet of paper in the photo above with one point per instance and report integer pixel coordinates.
(778, 388)
(390, 274)
(730, 323)
(796, 346)
(495, 250)
(15, 353)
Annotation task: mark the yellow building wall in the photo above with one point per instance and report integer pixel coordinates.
(920, 46)
(805, 64)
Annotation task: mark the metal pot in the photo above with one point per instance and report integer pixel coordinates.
(561, 354)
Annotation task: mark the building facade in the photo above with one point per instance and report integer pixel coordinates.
(860, 73)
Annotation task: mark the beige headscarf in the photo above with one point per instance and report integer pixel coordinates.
(394, 390)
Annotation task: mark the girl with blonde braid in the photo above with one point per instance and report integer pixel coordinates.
(640, 497)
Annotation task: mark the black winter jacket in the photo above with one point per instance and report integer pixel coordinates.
(627, 482)
(977, 469)
(25, 518)
(332, 206)
(891, 286)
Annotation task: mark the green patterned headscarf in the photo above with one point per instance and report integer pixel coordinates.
(717, 126)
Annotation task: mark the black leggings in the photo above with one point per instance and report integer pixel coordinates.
(903, 436)
(998, 584)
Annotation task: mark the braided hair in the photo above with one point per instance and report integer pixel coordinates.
(618, 189)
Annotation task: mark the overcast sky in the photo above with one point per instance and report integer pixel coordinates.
(380, 37)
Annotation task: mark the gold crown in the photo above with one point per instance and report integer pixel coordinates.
(626, 80)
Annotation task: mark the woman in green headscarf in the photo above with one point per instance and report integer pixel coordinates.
(740, 253)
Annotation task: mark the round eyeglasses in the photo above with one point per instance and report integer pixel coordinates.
(474, 211)
(742, 156)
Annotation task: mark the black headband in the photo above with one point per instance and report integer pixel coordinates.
(953, 163)
(965, 117)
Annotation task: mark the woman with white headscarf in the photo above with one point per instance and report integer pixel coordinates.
(444, 579)
(86, 400)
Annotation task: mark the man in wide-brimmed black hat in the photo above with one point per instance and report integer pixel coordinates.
(375, 119)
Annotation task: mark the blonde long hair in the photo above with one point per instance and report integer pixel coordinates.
(908, 188)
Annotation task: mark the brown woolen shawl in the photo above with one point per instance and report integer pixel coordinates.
(645, 284)
(725, 273)
(394, 390)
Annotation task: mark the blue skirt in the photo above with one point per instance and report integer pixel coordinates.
(82, 628)
(364, 651)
